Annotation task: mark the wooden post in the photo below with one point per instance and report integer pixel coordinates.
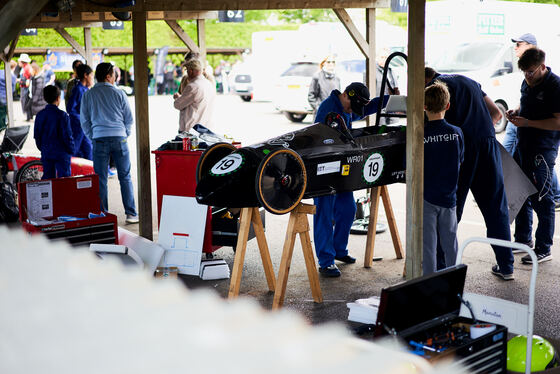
(298, 224)
(248, 216)
(201, 39)
(372, 225)
(371, 68)
(70, 40)
(142, 123)
(87, 46)
(414, 139)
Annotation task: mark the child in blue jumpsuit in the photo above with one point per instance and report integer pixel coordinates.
(331, 239)
(84, 80)
(53, 136)
(481, 171)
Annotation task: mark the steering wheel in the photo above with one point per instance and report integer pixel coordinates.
(336, 121)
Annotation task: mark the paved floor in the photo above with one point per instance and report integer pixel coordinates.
(244, 121)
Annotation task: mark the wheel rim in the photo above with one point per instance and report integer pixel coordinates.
(32, 173)
(282, 181)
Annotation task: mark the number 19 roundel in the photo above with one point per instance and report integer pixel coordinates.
(227, 165)
(373, 167)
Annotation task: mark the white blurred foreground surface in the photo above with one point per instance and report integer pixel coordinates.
(64, 311)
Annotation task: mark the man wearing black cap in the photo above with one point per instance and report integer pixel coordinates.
(331, 239)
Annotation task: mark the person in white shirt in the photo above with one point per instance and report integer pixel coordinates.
(196, 101)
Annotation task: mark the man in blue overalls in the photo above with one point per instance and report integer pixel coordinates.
(481, 172)
(331, 239)
(538, 122)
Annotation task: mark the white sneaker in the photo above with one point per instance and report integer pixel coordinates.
(132, 219)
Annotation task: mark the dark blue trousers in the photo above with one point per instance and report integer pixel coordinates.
(538, 165)
(56, 167)
(331, 226)
(482, 173)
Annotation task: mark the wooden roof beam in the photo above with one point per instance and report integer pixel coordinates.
(13, 15)
(185, 38)
(350, 26)
(212, 5)
(81, 51)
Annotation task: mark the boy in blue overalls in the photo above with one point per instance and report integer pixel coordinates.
(53, 136)
(335, 213)
(443, 154)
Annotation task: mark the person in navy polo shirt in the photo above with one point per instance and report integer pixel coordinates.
(335, 213)
(538, 122)
(53, 136)
(443, 154)
(481, 172)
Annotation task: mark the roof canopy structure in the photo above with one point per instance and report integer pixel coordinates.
(87, 13)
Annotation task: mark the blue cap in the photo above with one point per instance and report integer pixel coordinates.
(527, 38)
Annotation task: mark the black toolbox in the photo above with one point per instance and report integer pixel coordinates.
(424, 314)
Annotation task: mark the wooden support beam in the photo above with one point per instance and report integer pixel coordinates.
(14, 16)
(6, 57)
(201, 39)
(129, 51)
(415, 138)
(371, 68)
(9, 52)
(344, 17)
(70, 40)
(261, 4)
(185, 38)
(87, 44)
(142, 123)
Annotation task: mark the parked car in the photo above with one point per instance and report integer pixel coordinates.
(242, 86)
(291, 89)
(492, 64)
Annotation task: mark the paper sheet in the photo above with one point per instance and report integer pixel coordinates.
(39, 199)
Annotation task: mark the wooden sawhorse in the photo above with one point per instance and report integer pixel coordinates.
(298, 224)
(248, 216)
(391, 222)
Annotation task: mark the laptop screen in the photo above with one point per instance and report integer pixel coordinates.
(420, 300)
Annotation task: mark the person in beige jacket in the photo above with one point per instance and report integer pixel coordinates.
(196, 102)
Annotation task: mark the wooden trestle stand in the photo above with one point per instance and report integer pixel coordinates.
(297, 224)
(247, 216)
(391, 222)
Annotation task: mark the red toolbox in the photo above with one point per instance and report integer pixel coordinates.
(49, 199)
(176, 176)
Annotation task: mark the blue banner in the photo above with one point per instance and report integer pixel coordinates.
(62, 61)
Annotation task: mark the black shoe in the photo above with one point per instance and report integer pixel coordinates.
(346, 259)
(530, 244)
(330, 271)
(541, 257)
(496, 271)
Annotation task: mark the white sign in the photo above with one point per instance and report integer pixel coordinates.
(373, 167)
(39, 199)
(328, 168)
(227, 165)
(181, 233)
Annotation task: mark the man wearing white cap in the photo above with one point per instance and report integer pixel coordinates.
(26, 73)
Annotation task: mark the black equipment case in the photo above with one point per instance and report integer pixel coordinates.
(424, 312)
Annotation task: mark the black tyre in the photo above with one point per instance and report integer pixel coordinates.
(281, 181)
(246, 98)
(31, 171)
(212, 155)
(295, 117)
(501, 125)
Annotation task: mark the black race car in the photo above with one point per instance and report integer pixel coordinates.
(321, 159)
